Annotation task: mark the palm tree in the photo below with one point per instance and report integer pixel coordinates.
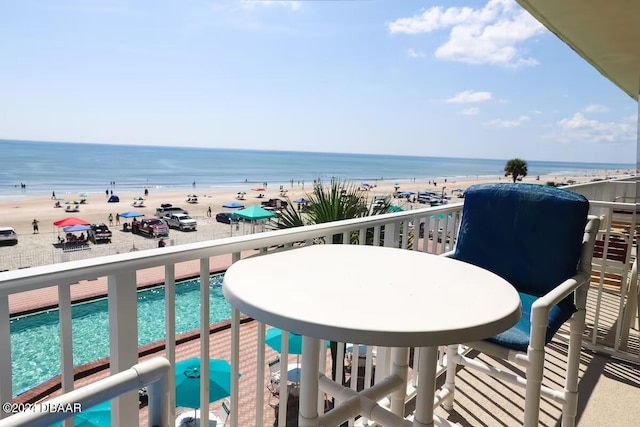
(334, 202)
(517, 168)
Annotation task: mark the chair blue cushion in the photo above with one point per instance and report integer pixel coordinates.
(518, 336)
(531, 235)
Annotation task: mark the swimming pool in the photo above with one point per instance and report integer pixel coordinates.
(35, 339)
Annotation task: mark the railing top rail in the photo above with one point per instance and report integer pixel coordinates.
(14, 281)
(619, 205)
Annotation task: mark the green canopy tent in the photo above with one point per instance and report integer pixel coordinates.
(254, 213)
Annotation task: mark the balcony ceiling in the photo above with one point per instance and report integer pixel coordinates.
(604, 32)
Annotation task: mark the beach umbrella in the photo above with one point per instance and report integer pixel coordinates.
(131, 214)
(64, 222)
(137, 198)
(192, 195)
(258, 189)
(83, 194)
(233, 205)
(300, 200)
(273, 338)
(188, 381)
(96, 416)
(72, 202)
(441, 216)
(77, 227)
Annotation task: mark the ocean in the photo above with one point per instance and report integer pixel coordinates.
(44, 167)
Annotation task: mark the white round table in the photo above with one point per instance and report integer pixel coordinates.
(406, 299)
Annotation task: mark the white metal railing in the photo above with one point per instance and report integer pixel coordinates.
(153, 374)
(402, 229)
(397, 229)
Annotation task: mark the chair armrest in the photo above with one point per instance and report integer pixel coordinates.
(541, 307)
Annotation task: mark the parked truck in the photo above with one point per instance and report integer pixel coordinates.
(181, 221)
(151, 227)
(99, 233)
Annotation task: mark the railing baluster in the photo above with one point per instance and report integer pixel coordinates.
(235, 367)
(6, 373)
(260, 363)
(204, 338)
(123, 339)
(66, 341)
(170, 331)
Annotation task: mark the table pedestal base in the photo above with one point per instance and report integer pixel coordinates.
(365, 402)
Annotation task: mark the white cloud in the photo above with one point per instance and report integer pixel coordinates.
(473, 111)
(250, 4)
(499, 123)
(412, 53)
(489, 35)
(580, 128)
(595, 108)
(469, 96)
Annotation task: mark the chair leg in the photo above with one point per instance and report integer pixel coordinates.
(535, 372)
(450, 380)
(570, 406)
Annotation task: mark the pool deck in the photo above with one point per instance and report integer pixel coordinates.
(609, 389)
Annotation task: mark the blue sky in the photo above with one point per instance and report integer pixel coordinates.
(479, 79)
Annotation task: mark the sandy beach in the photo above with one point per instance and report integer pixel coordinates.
(38, 249)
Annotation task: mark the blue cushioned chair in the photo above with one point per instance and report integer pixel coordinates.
(540, 239)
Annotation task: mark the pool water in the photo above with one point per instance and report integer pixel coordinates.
(35, 339)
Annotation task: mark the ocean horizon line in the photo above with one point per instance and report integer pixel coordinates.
(232, 149)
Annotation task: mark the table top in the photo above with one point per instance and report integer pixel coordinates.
(372, 295)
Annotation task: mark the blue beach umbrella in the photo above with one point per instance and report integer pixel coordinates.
(273, 338)
(131, 214)
(233, 205)
(77, 227)
(188, 381)
(441, 216)
(300, 200)
(96, 416)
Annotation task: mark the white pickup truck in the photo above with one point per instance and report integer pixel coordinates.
(181, 221)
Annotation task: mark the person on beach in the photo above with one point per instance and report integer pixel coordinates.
(162, 243)
(53, 195)
(35, 226)
(117, 219)
(209, 212)
(110, 219)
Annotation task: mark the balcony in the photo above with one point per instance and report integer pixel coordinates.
(610, 378)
